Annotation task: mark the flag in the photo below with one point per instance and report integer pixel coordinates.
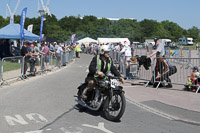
(22, 21)
(30, 28)
(41, 26)
(73, 38)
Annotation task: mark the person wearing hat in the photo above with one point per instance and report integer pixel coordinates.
(159, 52)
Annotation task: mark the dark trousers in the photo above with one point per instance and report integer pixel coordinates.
(171, 71)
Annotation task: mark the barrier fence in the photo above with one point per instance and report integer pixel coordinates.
(180, 71)
(11, 67)
(184, 67)
(20, 67)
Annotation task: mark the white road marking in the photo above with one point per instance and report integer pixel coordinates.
(87, 71)
(33, 117)
(167, 116)
(17, 119)
(99, 127)
(37, 131)
(72, 130)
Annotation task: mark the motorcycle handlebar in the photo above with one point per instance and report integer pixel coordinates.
(111, 77)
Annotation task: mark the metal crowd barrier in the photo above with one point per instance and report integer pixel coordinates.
(184, 67)
(11, 67)
(18, 67)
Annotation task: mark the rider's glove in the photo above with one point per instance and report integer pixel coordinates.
(122, 80)
(100, 73)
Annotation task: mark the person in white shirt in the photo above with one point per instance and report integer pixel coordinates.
(59, 51)
(126, 51)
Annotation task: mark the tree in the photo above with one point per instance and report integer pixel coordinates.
(174, 30)
(149, 27)
(194, 33)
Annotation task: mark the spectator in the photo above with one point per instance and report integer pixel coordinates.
(160, 52)
(126, 52)
(45, 50)
(197, 46)
(24, 52)
(78, 50)
(168, 69)
(33, 60)
(51, 48)
(37, 50)
(59, 51)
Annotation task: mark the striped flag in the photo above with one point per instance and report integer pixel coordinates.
(73, 38)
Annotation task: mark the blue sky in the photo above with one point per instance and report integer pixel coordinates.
(186, 13)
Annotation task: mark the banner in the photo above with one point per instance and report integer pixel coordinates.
(73, 38)
(30, 28)
(41, 26)
(22, 21)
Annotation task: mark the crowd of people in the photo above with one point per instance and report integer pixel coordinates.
(33, 51)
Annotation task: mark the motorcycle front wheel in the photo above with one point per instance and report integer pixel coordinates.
(114, 107)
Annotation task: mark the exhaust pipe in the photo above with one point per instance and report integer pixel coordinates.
(85, 105)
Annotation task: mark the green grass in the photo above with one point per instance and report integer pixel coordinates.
(9, 66)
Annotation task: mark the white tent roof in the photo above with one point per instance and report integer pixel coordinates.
(87, 40)
(113, 40)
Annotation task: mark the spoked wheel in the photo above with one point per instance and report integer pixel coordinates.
(114, 107)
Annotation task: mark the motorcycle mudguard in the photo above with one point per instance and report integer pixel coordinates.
(118, 89)
(82, 86)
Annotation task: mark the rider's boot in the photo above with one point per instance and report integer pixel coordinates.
(89, 87)
(84, 96)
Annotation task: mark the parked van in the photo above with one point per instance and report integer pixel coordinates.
(166, 42)
(185, 41)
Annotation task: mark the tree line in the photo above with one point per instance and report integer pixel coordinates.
(91, 26)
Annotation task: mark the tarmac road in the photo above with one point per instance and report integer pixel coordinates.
(46, 105)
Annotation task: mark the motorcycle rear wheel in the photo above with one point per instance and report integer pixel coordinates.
(114, 107)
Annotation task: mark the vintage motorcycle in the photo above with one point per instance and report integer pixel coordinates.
(107, 95)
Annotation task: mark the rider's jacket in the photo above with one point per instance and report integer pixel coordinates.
(107, 66)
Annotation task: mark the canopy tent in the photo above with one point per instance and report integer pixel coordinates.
(87, 40)
(12, 31)
(113, 40)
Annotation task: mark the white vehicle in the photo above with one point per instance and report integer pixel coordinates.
(185, 41)
(149, 42)
(166, 42)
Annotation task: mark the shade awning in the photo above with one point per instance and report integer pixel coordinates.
(12, 31)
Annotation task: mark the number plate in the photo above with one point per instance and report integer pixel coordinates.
(114, 83)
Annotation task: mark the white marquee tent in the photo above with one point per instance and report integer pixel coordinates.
(113, 40)
(87, 40)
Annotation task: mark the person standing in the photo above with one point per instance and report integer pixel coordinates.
(45, 50)
(59, 51)
(197, 46)
(26, 54)
(126, 52)
(159, 52)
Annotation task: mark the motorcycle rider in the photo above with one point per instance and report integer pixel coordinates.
(100, 65)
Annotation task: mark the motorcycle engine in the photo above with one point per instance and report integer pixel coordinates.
(103, 83)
